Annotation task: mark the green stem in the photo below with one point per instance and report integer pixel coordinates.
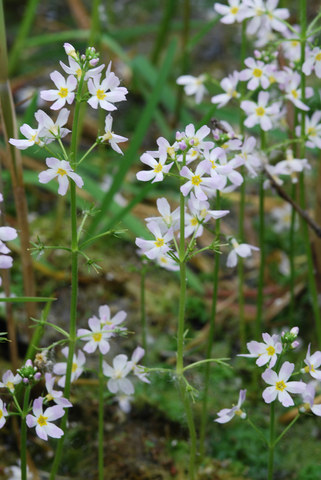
(87, 153)
(74, 283)
(259, 314)
(23, 444)
(292, 252)
(311, 277)
(258, 431)
(210, 335)
(240, 264)
(286, 429)
(101, 419)
(191, 428)
(271, 443)
(143, 307)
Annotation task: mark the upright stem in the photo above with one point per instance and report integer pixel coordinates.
(23, 444)
(210, 335)
(101, 420)
(74, 282)
(240, 264)
(259, 314)
(143, 307)
(311, 277)
(292, 251)
(271, 444)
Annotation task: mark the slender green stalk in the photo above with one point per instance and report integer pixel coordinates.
(271, 444)
(74, 282)
(101, 419)
(240, 264)
(163, 30)
(286, 429)
(311, 277)
(95, 27)
(23, 439)
(143, 307)
(210, 336)
(292, 252)
(259, 313)
(191, 428)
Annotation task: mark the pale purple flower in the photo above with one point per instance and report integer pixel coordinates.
(9, 380)
(312, 130)
(291, 47)
(42, 420)
(227, 414)
(158, 168)
(280, 387)
(260, 113)
(75, 69)
(70, 50)
(159, 246)
(78, 363)
(313, 62)
(293, 91)
(5, 261)
(239, 249)
(106, 92)
(55, 395)
(124, 402)
(64, 93)
(118, 373)
(51, 130)
(229, 85)
(165, 261)
(3, 413)
(7, 234)
(62, 170)
(167, 219)
(32, 137)
(291, 166)
(267, 352)
(111, 322)
(251, 160)
(257, 74)
(193, 86)
(95, 337)
(195, 139)
(111, 137)
(265, 16)
(138, 370)
(312, 362)
(199, 214)
(308, 398)
(282, 218)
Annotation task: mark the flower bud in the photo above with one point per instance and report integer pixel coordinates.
(70, 50)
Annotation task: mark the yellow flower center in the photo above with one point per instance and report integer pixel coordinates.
(97, 336)
(159, 242)
(74, 367)
(318, 57)
(171, 151)
(259, 12)
(272, 79)
(295, 93)
(280, 386)
(49, 397)
(1, 414)
(234, 94)
(78, 72)
(196, 180)
(63, 92)
(100, 94)
(107, 136)
(213, 164)
(196, 141)
(270, 350)
(238, 412)
(257, 72)
(158, 168)
(194, 221)
(10, 385)
(61, 172)
(234, 10)
(311, 132)
(164, 260)
(294, 43)
(308, 368)
(42, 420)
(260, 111)
(33, 138)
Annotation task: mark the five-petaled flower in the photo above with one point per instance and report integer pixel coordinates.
(280, 387)
(118, 373)
(266, 352)
(312, 363)
(3, 413)
(42, 420)
(227, 414)
(62, 170)
(64, 93)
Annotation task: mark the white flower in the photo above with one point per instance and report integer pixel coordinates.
(78, 363)
(9, 380)
(3, 413)
(308, 399)
(257, 73)
(243, 250)
(312, 130)
(193, 86)
(62, 170)
(235, 11)
(118, 373)
(75, 69)
(106, 92)
(293, 91)
(167, 219)
(64, 92)
(165, 261)
(159, 246)
(229, 85)
(313, 62)
(312, 363)
(42, 420)
(138, 370)
(95, 337)
(50, 129)
(227, 414)
(197, 181)
(32, 137)
(265, 16)
(282, 218)
(55, 395)
(280, 387)
(110, 137)
(249, 158)
(111, 322)
(260, 113)
(266, 352)
(158, 168)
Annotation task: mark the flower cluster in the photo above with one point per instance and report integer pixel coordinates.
(277, 375)
(85, 82)
(206, 169)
